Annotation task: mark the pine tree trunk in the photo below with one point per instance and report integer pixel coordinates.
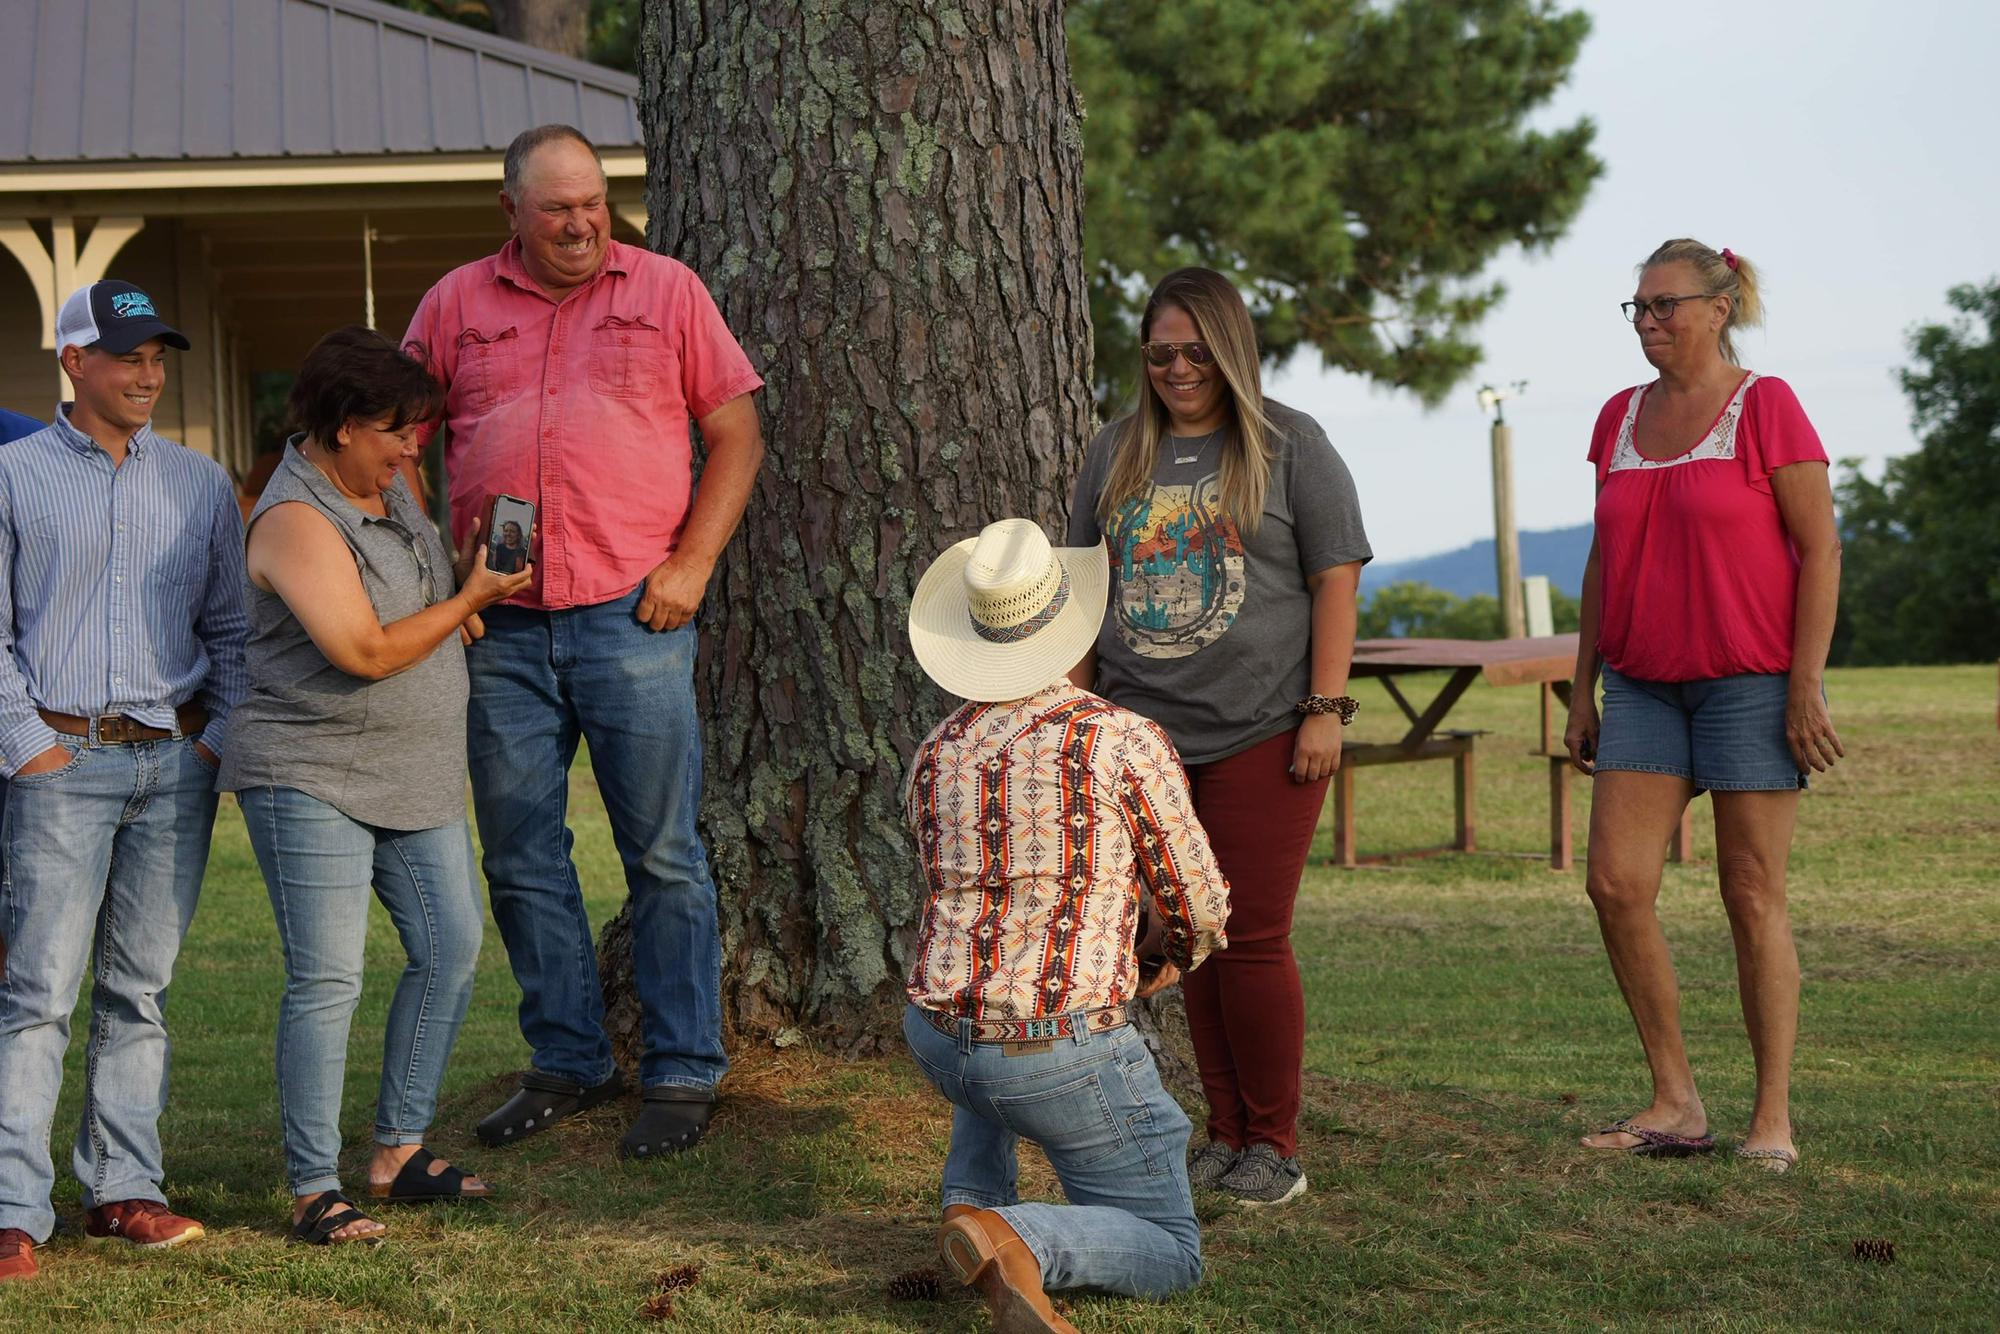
(561, 26)
(885, 197)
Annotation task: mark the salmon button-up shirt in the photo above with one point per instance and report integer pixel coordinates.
(1039, 823)
(580, 406)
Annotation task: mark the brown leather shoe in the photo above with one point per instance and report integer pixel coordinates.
(146, 1223)
(983, 1252)
(17, 1255)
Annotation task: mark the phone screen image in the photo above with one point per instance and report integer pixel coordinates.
(507, 535)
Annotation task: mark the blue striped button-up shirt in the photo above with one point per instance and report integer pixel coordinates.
(121, 588)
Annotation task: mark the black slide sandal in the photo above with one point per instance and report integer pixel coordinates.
(319, 1222)
(671, 1119)
(417, 1184)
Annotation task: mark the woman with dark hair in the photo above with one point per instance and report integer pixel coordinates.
(349, 759)
(1236, 549)
(1708, 604)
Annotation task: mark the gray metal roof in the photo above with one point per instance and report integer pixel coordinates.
(96, 80)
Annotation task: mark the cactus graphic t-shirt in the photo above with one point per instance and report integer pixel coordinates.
(1209, 629)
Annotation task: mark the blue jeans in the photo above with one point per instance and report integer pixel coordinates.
(104, 859)
(1117, 1142)
(318, 865)
(542, 680)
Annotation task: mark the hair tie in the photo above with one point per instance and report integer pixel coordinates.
(1729, 257)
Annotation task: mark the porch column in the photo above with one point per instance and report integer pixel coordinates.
(58, 269)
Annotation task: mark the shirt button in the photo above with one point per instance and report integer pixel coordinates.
(117, 578)
(118, 680)
(552, 389)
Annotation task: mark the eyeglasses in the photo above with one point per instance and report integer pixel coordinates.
(1660, 307)
(1163, 354)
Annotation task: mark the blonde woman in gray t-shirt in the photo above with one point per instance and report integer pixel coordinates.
(1236, 549)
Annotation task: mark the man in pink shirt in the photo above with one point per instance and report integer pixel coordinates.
(573, 365)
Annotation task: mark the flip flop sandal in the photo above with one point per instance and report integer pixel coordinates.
(542, 1101)
(1771, 1160)
(1652, 1143)
(417, 1184)
(670, 1120)
(319, 1222)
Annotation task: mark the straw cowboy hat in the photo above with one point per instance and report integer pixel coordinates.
(1003, 614)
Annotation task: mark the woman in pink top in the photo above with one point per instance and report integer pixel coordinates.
(1708, 604)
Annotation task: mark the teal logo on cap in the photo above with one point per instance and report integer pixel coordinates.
(130, 305)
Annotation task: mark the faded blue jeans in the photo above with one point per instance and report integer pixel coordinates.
(318, 866)
(1117, 1142)
(104, 859)
(542, 681)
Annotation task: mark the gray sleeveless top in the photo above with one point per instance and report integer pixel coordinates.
(389, 753)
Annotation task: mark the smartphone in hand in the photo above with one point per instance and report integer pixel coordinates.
(509, 527)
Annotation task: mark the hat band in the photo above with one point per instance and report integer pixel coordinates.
(1013, 634)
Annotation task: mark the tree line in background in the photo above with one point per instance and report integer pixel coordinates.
(1412, 609)
(1921, 547)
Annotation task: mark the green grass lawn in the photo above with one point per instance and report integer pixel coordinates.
(1464, 1030)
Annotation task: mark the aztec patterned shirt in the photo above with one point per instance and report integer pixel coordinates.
(1038, 824)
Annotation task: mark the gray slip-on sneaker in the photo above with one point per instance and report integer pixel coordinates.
(1207, 1168)
(1261, 1178)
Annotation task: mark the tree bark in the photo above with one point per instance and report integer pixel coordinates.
(885, 197)
(561, 26)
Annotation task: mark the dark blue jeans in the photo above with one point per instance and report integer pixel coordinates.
(542, 681)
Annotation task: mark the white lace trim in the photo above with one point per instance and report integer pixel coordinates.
(1719, 443)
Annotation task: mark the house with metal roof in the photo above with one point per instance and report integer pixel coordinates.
(266, 169)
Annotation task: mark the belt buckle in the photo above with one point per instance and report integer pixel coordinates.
(111, 729)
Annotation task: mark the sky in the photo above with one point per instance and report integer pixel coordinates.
(1848, 148)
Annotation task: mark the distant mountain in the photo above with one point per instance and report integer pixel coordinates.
(1558, 553)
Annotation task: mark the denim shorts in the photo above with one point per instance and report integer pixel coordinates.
(1725, 735)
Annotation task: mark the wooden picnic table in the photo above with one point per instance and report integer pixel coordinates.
(1547, 662)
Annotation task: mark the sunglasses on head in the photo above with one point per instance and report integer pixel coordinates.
(1163, 354)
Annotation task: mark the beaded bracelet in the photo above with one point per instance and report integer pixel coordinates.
(1344, 705)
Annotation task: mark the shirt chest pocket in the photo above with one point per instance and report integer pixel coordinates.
(628, 358)
(489, 368)
(173, 551)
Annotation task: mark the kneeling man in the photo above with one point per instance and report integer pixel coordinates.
(1042, 814)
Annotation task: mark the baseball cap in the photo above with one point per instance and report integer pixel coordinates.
(115, 316)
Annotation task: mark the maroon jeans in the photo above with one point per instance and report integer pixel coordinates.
(1246, 1010)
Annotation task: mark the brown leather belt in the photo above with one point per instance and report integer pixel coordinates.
(115, 729)
(1039, 1032)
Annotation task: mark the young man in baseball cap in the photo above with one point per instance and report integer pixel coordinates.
(121, 654)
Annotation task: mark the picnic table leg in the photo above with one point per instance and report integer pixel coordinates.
(1343, 816)
(1561, 854)
(1682, 847)
(1464, 800)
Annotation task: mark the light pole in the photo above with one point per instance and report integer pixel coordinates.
(1506, 541)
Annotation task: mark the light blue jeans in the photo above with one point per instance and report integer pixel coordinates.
(1117, 1142)
(318, 866)
(104, 859)
(541, 681)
